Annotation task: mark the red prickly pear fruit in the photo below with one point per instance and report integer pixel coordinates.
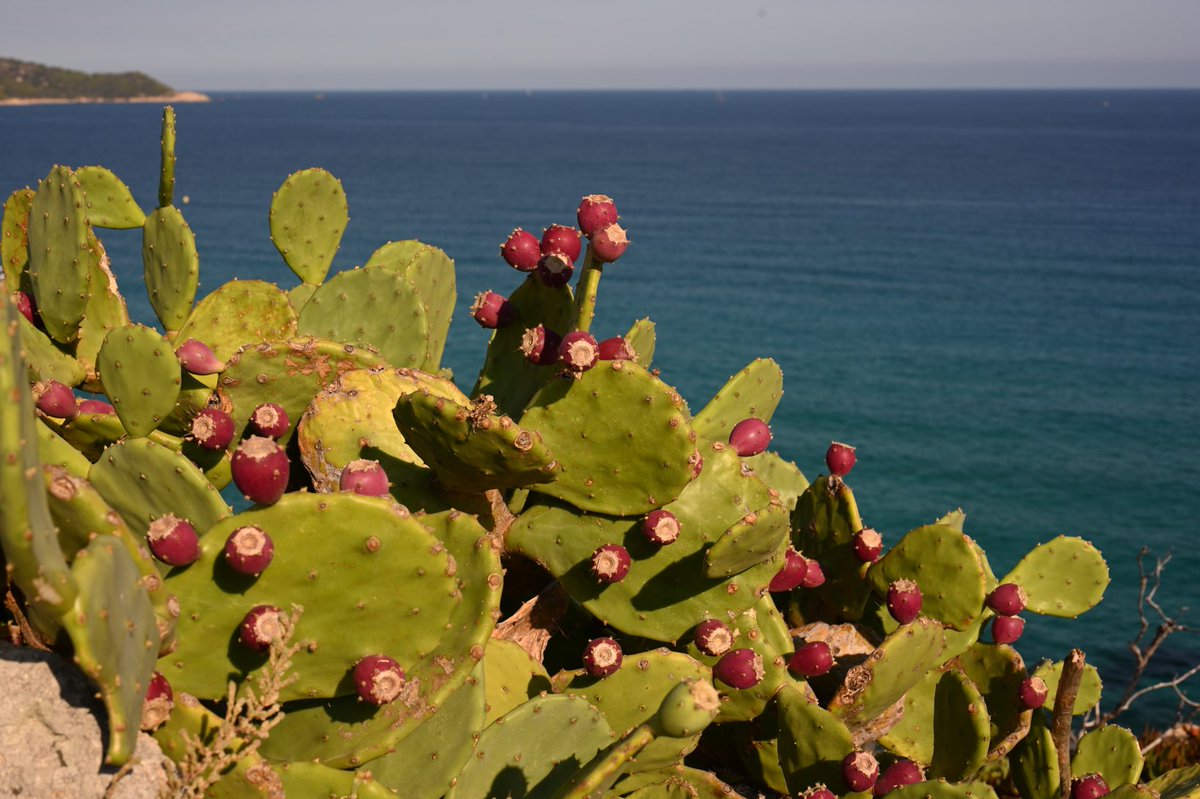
(562, 239)
(98, 407)
(811, 660)
(27, 308)
(249, 550)
(159, 687)
(492, 310)
(212, 429)
(1089, 786)
(260, 470)
(897, 775)
(1007, 599)
(609, 243)
(868, 545)
(1007, 629)
(578, 351)
(696, 461)
(601, 657)
(818, 791)
(840, 458)
(555, 269)
(610, 563)
(740, 668)
(55, 399)
(364, 477)
(157, 704)
(750, 437)
(173, 540)
(1033, 693)
(378, 679)
(795, 568)
(259, 627)
(814, 575)
(596, 211)
(269, 420)
(197, 358)
(713, 638)
(521, 250)
(904, 600)
(616, 349)
(860, 770)
(660, 527)
(540, 346)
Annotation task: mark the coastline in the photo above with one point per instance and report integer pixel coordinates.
(178, 97)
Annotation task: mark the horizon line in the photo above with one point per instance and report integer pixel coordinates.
(715, 89)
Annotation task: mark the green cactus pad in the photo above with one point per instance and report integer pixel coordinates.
(511, 677)
(54, 450)
(431, 273)
(665, 593)
(110, 204)
(506, 376)
(753, 392)
(997, 671)
(301, 294)
(960, 728)
(106, 311)
(940, 789)
(141, 377)
(781, 475)
(912, 737)
(374, 307)
(1090, 685)
(824, 521)
(944, 563)
(677, 782)
(46, 361)
(641, 339)
(14, 239)
(1112, 752)
(512, 758)
(1180, 783)
(1034, 763)
(397, 255)
(59, 259)
(615, 407)
(470, 448)
(166, 170)
(633, 694)
(1063, 577)
(238, 314)
(812, 742)
(115, 636)
(749, 541)
(308, 217)
(171, 265)
(757, 747)
(1135, 791)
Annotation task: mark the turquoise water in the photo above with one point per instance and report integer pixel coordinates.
(994, 295)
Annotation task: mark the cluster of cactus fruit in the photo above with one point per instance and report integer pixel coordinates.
(564, 583)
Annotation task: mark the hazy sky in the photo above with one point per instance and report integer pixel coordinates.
(445, 44)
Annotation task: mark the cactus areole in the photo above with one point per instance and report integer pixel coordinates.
(378, 679)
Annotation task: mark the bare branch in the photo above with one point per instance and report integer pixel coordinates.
(1064, 707)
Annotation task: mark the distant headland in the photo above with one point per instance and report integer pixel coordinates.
(27, 83)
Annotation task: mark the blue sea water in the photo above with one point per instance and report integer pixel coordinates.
(994, 295)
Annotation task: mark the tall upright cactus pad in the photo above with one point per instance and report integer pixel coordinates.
(944, 563)
(166, 169)
(430, 272)
(240, 313)
(59, 257)
(110, 204)
(1034, 763)
(812, 742)
(912, 736)
(1063, 577)
(308, 216)
(14, 237)
(645, 420)
(997, 671)
(171, 266)
(960, 728)
(755, 391)
(106, 310)
(824, 521)
(141, 376)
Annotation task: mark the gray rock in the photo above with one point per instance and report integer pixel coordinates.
(52, 734)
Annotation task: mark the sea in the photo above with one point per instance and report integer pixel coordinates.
(993, 295)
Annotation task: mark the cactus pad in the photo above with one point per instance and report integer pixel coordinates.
(14, 239)
(960, 728)
(749, 541)
(511, 677)
(431, 273)
(109, 201)
(1063, 577)
(59, 258)
(308, 217)
(1112, 752)
(755, 391)
(141, 376)
(997, 671)
(238, 314)
(641, 339)
(1090, 685)
(781, 475)
(106, 311)
(812, 742)
(171, 265)
(944, 563)
(1180, 783)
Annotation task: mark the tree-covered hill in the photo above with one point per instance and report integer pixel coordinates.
(27, 80)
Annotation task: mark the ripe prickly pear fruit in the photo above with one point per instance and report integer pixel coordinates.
(713, 638)
(55, 399)
(269, 420)
(860, 770)
(688, 708)
(840, 458)
(173, 540)
(364, 477)
(868, 545)
(1007, 629)
(378, 679)
(610, 563)
(521, 250)
(818, 791)
(602, 657)
(555, 269)
(157, 704)
(750, 437)
(897, 775)
(213, 429)
(795, 569)
(492, 310)
(616, 349)
(1007, 599)
(260, 470)
(26, 306)
(609, 243)
(578, 351)
(197, 358)
(660, 527)
(249, 550)
(814, 575)
(596, 211)
(811, 660)
(563, 239)
(1089, 786)
(1033, 693)
(98, 407)
(540, 346)
(740, 668)
(904, 600)
(259, 627)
